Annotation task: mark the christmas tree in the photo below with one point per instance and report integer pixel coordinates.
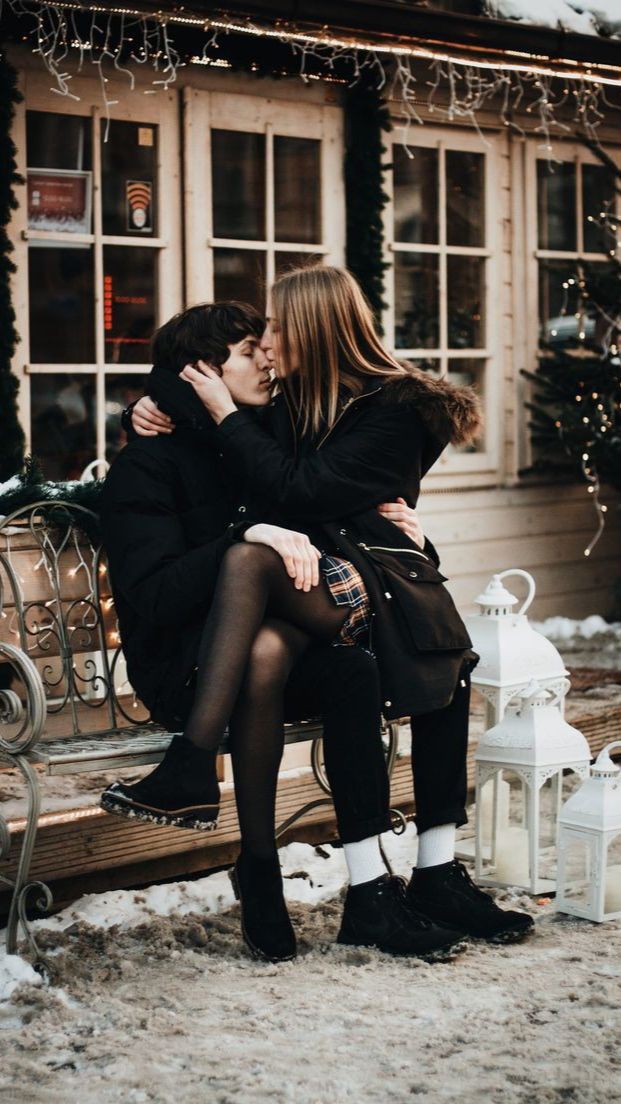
(576, 400)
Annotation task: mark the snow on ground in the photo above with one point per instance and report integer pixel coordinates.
(580, 16)
(156, 1000)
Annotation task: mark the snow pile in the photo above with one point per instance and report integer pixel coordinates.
(313, 875)
(579, 16)
(566, 629)
(15, 971)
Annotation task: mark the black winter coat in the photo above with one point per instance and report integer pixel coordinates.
(382, 444)
(166, 511)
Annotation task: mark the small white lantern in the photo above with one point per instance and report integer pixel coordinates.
(589, 846)
(530, 748)
(512, 652)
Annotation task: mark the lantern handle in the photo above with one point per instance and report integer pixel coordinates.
(529, 580)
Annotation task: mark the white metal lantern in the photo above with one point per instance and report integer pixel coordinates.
(512, 652)
(523, 760)
(589, 846)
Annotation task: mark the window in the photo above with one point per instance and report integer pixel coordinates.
(441, 257)
(95, 235)
(573, 193)
(274, 194)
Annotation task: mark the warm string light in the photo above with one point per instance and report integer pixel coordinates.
(471, 81)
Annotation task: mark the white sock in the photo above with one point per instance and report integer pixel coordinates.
(436, 846)
(364, 860)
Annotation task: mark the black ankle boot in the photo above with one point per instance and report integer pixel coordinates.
(447, 895)
(376, 915)
(266, 927)
(182, 791)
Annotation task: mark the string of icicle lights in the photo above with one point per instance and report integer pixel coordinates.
(119, 39)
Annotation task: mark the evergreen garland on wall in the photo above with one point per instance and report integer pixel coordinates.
(366, 118)
(12, 436)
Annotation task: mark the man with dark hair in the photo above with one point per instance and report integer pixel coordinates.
(170, 511)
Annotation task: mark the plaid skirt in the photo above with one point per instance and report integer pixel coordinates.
(348, 589)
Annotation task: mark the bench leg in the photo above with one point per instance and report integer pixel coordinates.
(398, 820)
(22, 888)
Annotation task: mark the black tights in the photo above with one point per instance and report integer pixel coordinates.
(253, 586)
(258, 627)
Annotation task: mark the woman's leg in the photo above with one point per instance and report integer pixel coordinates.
(252, 585)
(256, 733)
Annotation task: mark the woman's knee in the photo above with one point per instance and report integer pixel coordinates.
(243, 558)
(270, 659)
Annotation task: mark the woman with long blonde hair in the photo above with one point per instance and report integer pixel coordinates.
(351, 429)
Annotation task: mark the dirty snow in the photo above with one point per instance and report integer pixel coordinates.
(154, 998)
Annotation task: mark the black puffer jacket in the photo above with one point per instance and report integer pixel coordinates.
(166, 511)
(381, 446)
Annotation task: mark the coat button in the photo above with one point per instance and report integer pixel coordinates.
(413, 575)
(387, 595)
(242, 510)
(343, 532)
(388, 704)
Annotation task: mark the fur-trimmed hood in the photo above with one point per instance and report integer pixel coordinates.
(450, 413)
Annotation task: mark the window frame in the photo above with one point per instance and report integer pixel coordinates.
(571, 151)
(206, 110)
(487, 460)
(161, 112)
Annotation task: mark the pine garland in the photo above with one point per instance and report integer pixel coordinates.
(28, 487)
(366, 117)
(12, 441)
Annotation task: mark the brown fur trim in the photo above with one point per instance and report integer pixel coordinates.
(452, 413)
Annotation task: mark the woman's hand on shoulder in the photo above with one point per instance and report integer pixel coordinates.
(148, 420)
(210, 388)
(405, 518)
(299, 556)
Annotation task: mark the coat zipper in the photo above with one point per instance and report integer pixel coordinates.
(381, 548)
(348, 405)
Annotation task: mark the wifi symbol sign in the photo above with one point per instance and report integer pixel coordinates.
(139, 201)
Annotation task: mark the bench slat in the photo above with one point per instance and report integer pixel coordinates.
(134, 746)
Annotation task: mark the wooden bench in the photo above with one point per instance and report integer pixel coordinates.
(65, 704)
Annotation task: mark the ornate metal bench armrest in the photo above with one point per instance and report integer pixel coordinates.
(29, 717)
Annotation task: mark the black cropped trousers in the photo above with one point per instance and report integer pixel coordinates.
(341, 685)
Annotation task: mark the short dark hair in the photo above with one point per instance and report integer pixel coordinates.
(204, 333)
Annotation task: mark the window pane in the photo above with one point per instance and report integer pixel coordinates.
(465, 198)
(238, 179)
(556, 205)
(297, 189)
(120, 392)
(559, 328)
(598, 201)
(61, 305)
(128, 171)
(465, 302)
(284, 262)
(129, 303)
(63, 423)
(416, 301)
(415, 195)
(240, 274)
(58, 141)
(469, 372)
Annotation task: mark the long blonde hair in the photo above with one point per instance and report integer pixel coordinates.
(328, 342)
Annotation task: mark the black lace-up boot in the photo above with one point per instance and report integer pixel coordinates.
(266, 927)
(182, 791)
(447, 895)
(376, 914)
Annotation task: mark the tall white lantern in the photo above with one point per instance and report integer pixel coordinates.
(512, 652)
(589, 846)
(524, 759)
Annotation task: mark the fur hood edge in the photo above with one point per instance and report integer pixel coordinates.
(451, 413)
